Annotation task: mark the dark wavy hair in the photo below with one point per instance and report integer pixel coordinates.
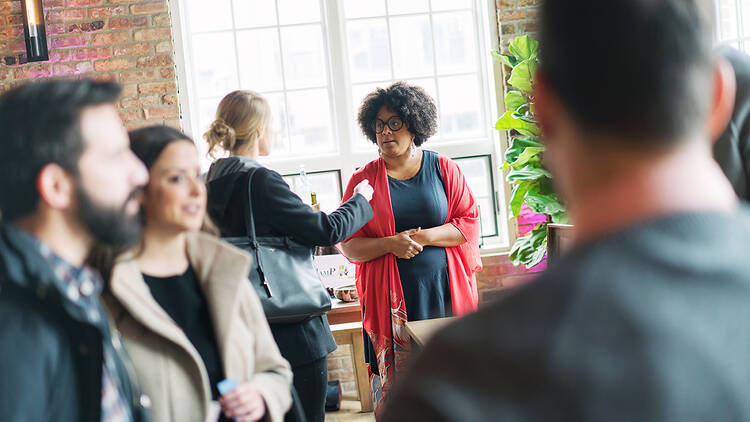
(412, 104)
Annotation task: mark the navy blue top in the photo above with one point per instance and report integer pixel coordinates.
(421, 202)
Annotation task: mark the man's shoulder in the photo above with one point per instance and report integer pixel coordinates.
(600, 277)
(533, 310)
(30, 328)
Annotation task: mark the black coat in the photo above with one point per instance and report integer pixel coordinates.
(50, 353)
(278, 211)
(732, 149)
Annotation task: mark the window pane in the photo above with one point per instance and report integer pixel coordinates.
(455, 39)
(260, 46)
(727, 19)
(430, 86)
(298, 11)
(369, 58)
(279, 122)
(411, 41)
(212, 15)
(253, 13)
(460, 106)
(364, 8)
(396, 7)
(359, 92)
(216, 76)
(304, 56)
(745, 30)
(325, 185)
(478, 174)
(450, 4)
(309, 121)
(206, 115)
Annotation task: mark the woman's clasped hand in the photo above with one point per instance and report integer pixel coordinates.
(403, 245)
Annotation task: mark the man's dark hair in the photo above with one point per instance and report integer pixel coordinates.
(412, 104)
(148, 142)
(635, 69)
(40, 125)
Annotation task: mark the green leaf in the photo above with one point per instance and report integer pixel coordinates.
(524, 47)
(506, 59)
(517, 197)
(519, 250)
(522, 75)
(527, 173)
(528, 118)
(529, 154)
(537, 256)
(544, 204)
(517, 145)
(560, 218)
(530, 249)
(515, 100)
(512, 121)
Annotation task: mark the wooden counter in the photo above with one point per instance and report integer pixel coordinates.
(343, 312)
(421, 331)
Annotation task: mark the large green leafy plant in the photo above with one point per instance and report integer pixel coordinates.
(531, 183)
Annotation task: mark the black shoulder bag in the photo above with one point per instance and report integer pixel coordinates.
(282, 272)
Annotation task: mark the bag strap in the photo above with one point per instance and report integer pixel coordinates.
(249, 220)
(250, 229)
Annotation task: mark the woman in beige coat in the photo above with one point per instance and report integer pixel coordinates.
(183, 305)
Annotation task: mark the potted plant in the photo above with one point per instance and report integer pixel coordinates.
(531, 182)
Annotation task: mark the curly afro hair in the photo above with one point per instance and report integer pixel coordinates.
(412, 103)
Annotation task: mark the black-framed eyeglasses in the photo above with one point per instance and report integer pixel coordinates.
(394, 124)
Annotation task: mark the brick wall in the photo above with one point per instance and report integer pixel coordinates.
(516, 17)
(128, 41)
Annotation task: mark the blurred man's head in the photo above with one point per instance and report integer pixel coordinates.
(635, 76)
(65, 152)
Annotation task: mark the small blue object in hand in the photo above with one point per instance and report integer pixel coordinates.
(226, 386)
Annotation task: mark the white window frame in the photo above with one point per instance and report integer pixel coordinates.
(348, 159)
(742, 37)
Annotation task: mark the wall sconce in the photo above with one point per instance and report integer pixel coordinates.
(33, 31)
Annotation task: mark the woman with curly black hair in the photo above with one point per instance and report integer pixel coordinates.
(417, 257)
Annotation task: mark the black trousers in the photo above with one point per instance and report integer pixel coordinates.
(311, 381)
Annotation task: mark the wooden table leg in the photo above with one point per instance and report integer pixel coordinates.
(360, 367)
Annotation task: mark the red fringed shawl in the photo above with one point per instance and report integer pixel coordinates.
(378, 281)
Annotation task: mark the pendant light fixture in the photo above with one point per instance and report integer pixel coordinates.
(33, 31)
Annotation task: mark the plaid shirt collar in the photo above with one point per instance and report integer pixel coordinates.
(81, 285)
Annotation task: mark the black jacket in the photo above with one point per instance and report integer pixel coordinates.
(278, 211)
(50, 353)
(732, 149)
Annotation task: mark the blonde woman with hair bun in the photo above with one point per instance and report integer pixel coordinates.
(241, 133)
(242, 119)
